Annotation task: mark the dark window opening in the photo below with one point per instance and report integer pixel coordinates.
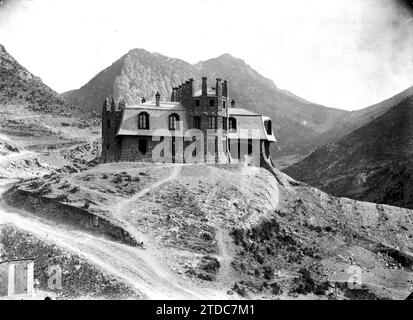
(232, 124)
(197, 103)
(197, 122)
(143, 146)
(212, 122)
(211, 103)
(108, 123)
(107, 146)
(223, 104)
(268, 126)
(225, 123)
(143, 121)
(173, 121)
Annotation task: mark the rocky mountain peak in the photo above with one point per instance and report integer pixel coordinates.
(140, 73)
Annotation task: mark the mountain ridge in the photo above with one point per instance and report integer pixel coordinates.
(140, 73)
(372, 163)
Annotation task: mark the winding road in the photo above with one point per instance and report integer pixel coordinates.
(134, 266)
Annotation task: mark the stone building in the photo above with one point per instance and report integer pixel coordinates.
(201, 126)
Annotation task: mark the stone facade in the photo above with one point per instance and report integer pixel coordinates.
(128, 137)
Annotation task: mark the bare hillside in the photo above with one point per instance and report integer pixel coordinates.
(216, 232)
(373, 163)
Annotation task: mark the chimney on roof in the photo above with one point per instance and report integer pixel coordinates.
(106, 105)
(122, 105)
(143, 100)
(157, 98)
(112, 105)
(191, 87)
(204, 86)
(232, 103)
(179, 98)
(173, 96)
(225, 89)
(218, 87)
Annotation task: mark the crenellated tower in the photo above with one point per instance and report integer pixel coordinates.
(111, 119)
(207, 110)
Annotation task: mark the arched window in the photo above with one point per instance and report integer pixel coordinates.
(173, 121)
(143, 120)
(232, 124)
(268, 126)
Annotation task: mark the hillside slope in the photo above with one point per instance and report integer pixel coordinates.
(356, 119)
(36, 124)
(141, 73)
(373, 163)
(224, 232)
(19, 87)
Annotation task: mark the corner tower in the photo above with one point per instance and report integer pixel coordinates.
(111, 119)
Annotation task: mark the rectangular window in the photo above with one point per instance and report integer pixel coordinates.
(211, 103)
(212, 122)
(223, 104)
(197, 122)
(225, 123)
(197, 103)
(108, 123)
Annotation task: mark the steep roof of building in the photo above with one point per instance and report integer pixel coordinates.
(249, 126)
(163, 105)
(158, 119)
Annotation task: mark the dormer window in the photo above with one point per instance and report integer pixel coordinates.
(268, 126)
(143, 121)
(173, 121)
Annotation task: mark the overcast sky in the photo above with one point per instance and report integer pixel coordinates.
(340, 53)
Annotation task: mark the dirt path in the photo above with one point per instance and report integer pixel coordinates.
(124, 204)
(223, 240)
(136, 267)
